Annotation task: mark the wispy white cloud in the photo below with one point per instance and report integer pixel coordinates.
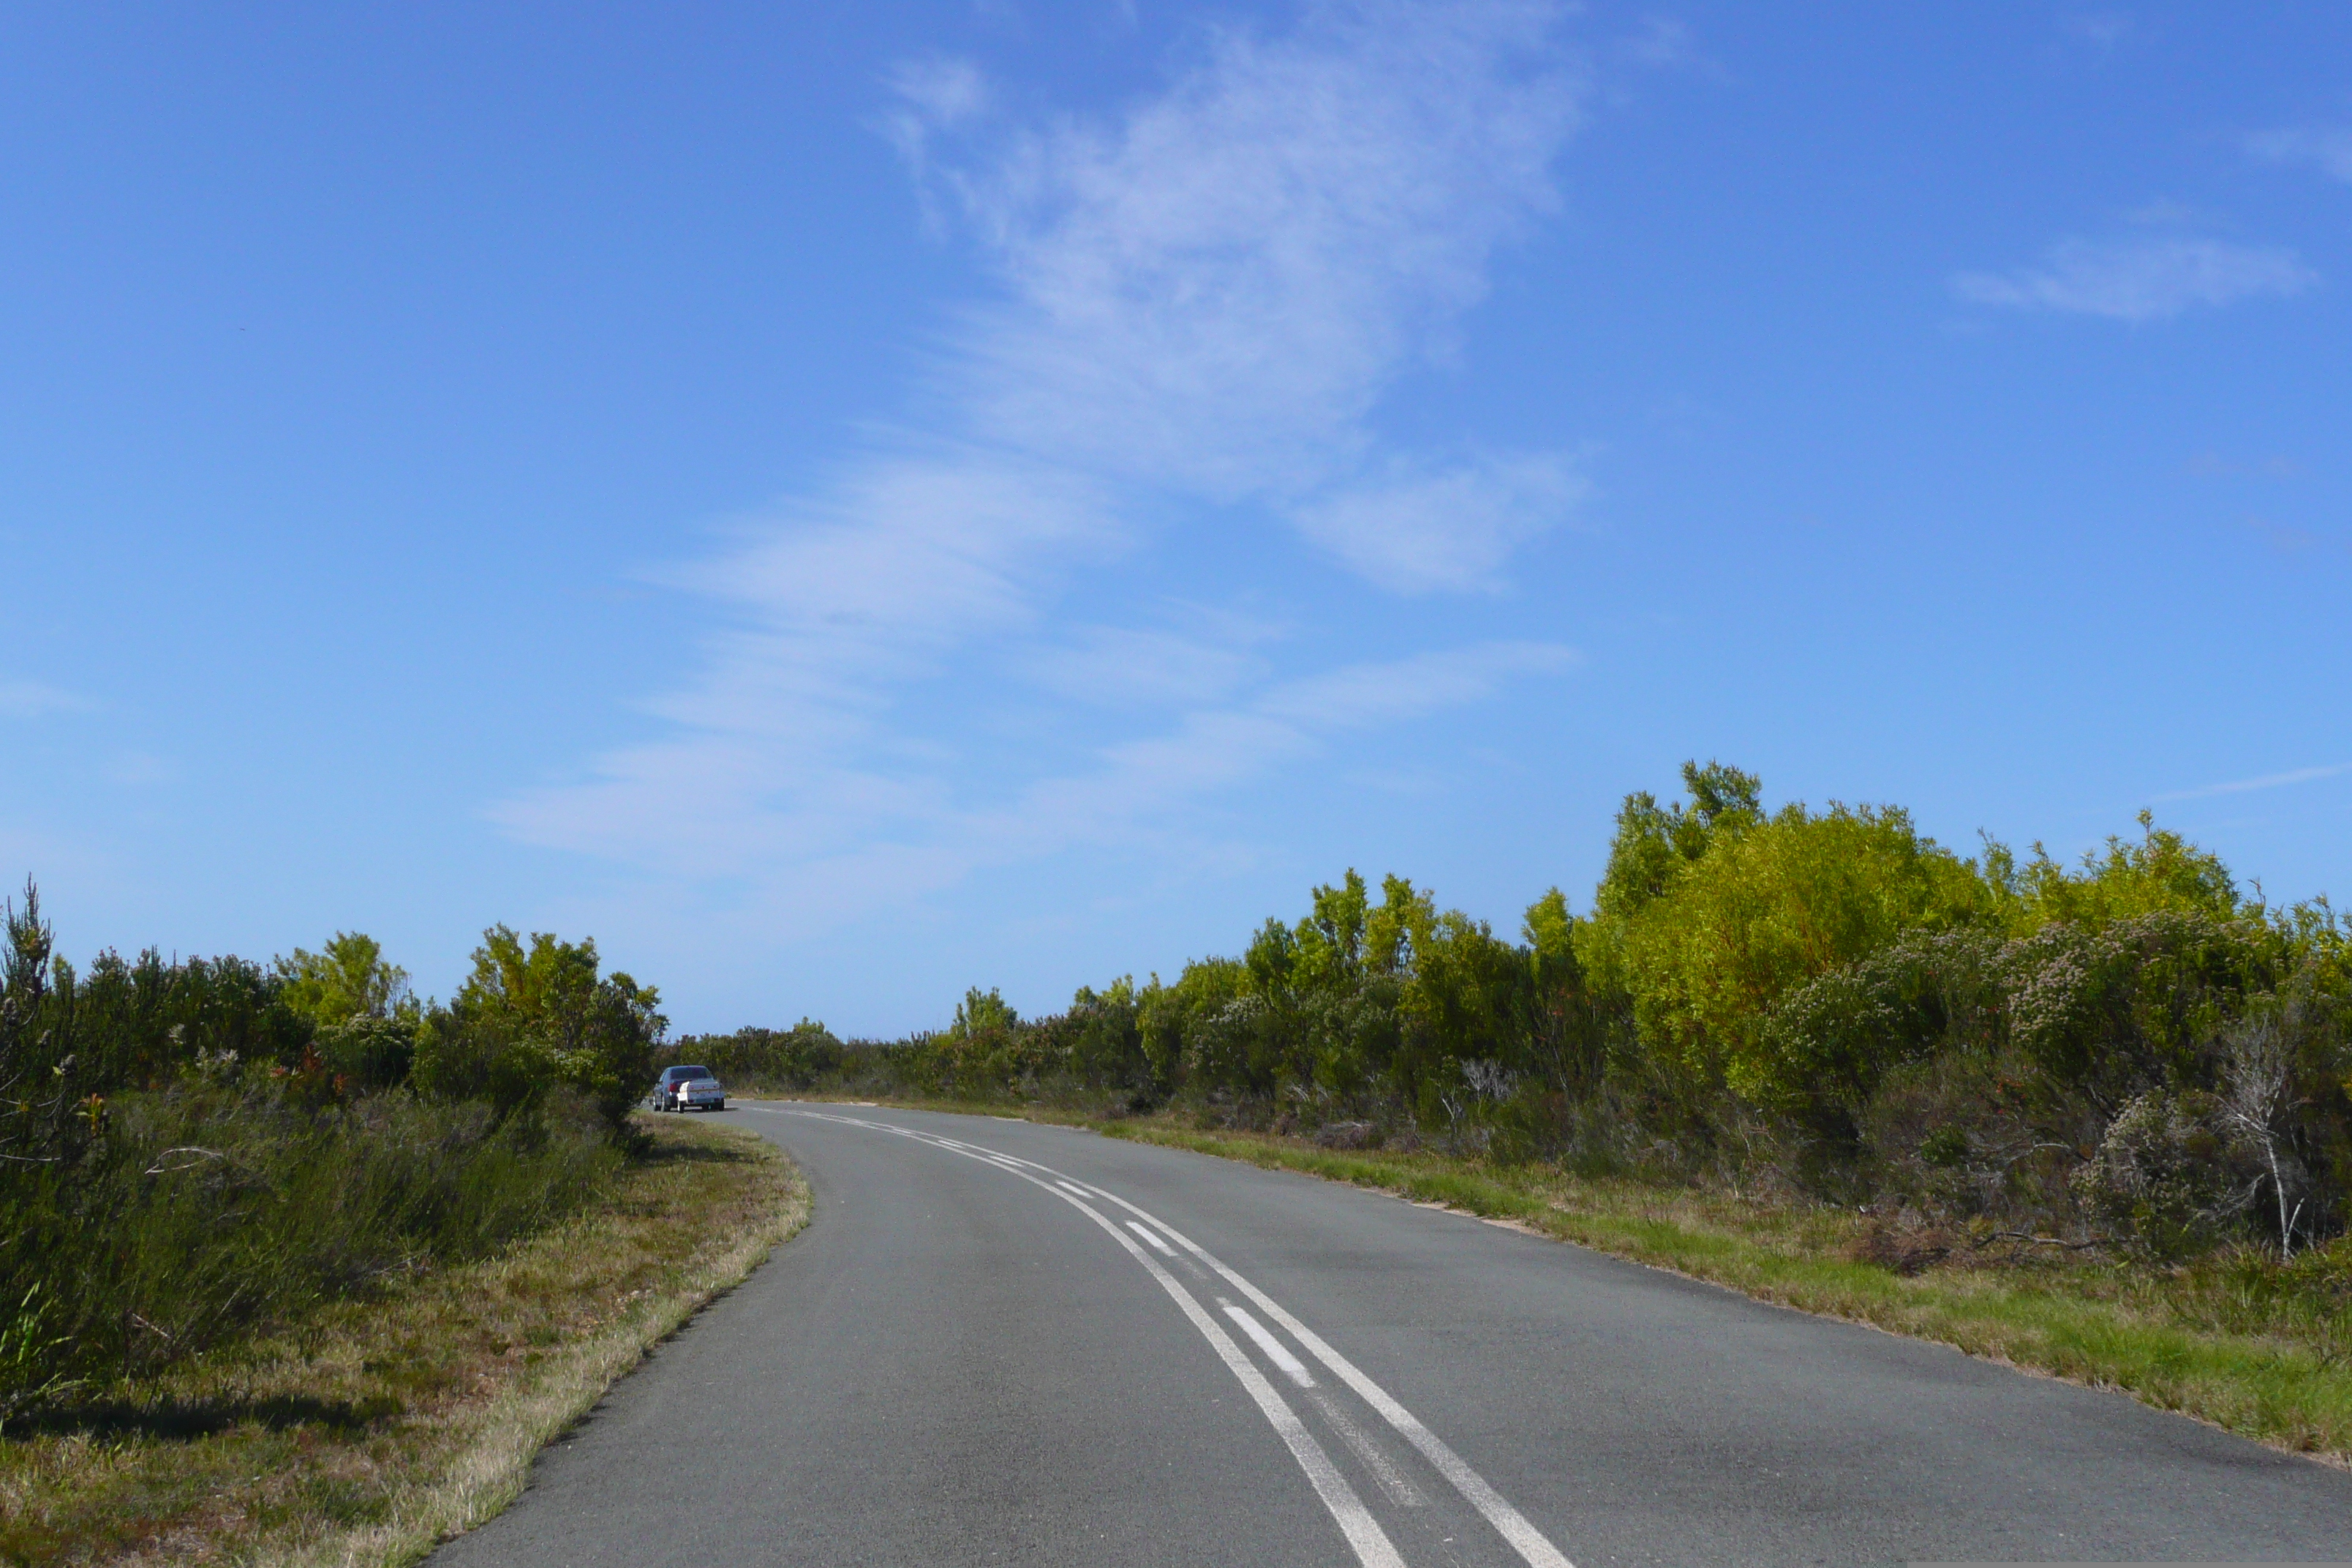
(1661, 41)
(139, 770)
(1150, 667)
(930, 96)
(2141, 279)
(2105, 28)
(1199, 305)
(824, 841)
(36, 699)
(1219, 748)
(2286, 539)
(1412, 529)
(1213, 293)
(1363, 695)
(2267, 781)
(941, 92)
(2327, 149)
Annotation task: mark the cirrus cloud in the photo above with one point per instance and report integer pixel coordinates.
(1414, 530)
(1198, 305)
(2141, 279)
(2327, 149)
(21, 698)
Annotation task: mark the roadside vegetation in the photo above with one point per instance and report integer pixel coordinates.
(2094, 1118)
(284, 1244)
(370, 1431)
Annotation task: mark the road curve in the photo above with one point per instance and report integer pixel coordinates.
(1005, 1342)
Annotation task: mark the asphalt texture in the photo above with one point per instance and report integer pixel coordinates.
(957, 1363)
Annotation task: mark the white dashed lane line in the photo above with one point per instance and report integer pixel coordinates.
(1275, 1351)
(1151, 1238)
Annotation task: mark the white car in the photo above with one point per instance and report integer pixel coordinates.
(688, 1088)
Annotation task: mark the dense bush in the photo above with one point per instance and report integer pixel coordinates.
(2125, 1050)
(229, 1199)
(192, 1148)
(793, 1058)
(531, 1018)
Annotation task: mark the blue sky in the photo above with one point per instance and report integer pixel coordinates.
(846, 503)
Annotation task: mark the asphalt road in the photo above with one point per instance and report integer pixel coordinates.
(999, 1343)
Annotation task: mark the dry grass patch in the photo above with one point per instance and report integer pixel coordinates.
(383, 1426)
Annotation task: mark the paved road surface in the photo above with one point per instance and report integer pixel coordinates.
(998, 1342)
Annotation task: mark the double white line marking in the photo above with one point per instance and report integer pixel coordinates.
(1275, 1351)
(1372, 1544)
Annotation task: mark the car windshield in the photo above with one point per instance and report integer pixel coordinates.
(680, 1075)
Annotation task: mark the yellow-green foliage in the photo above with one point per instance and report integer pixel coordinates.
(1767, 906)
(1827, 995)
(1713, 914)
(348, 978)
(2163, 873)
(531, 1018)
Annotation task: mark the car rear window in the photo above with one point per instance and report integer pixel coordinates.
(693, 1072)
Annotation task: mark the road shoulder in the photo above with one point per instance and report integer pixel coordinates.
(2165, 1340)
(383, 1426)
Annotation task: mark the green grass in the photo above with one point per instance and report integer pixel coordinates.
(2235, 1341)
(372, 1430)
(213, 1212)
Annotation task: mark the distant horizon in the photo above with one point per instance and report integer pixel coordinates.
(1506, 927)
(844, 508)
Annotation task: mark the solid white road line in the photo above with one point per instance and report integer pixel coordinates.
(1401, 1492)
(1509, 1522)
(1369, 1542)
(1275, 1351)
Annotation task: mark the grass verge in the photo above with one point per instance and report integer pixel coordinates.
(2236, 1341)
(381, 1427)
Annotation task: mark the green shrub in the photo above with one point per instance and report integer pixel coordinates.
(224, 1201)
(793, 1058)
(531, 1019)
(2172, 1175)
(369, 1053)
(1767, 909)
(190, 1150)
(1824, 1000)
